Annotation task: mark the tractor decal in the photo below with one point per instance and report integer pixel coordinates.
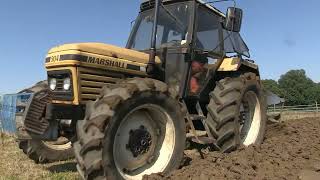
(92, 60)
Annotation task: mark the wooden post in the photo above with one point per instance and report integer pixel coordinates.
(317, 106)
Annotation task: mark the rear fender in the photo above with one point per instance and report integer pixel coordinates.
(236, 64)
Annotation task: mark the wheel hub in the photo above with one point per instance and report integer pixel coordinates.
(139, 141)
(144, 142)
(244, 119)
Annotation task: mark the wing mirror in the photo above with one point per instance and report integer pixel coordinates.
(233, 19)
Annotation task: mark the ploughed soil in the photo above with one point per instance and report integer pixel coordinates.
(291, 150)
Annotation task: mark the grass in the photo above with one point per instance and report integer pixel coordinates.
(15, 165)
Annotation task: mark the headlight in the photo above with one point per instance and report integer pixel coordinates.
(66, 84)
(53, 84)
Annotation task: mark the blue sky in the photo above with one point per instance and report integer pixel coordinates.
(281, 35)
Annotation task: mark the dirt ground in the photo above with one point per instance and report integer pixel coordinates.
(290, 151)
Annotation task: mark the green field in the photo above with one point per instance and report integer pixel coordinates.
(15, 165)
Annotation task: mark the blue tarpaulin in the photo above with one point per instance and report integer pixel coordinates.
(12, 106)
(8, 114)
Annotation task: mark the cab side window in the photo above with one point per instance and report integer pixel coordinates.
(208, 30)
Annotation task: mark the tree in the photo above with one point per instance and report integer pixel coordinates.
(273, 86)
(295, 87)
(299, 89)
(313, 94)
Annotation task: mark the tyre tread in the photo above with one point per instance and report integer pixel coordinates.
(222, 110)
(110, 98)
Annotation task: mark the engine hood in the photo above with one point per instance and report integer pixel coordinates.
(104, 50)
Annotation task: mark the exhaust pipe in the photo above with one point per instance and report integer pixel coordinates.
(153, 50)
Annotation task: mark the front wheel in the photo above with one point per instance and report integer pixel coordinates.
(237, 112)
(134, 130)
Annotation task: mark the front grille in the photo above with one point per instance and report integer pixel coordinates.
(59, 87)
(59, 93)
(91, 82)
(34, 121)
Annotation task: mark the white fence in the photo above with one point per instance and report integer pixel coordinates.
(299, 108)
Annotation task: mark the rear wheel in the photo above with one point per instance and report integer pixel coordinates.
(237, 112)
(45, 152)
(134, 130)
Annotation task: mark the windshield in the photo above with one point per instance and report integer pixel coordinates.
(173, 26)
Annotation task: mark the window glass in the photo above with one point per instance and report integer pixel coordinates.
(208, 31)
(174, 36)
(208, 39)
(234, 43)
(173, 25)
(142, 39)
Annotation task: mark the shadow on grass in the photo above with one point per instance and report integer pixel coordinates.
(62, 168)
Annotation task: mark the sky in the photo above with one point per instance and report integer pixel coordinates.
(281, 35)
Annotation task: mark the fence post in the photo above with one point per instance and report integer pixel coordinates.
(1, 116)
(317, 108)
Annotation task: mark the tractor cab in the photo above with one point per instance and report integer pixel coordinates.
(192, 37)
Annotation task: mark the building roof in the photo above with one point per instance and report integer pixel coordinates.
(273, 99)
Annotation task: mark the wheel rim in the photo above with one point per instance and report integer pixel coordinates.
(250, 118)
(61, 144)
(144, 142)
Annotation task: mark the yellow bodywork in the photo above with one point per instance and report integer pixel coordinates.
(94, 65)
(91, 64)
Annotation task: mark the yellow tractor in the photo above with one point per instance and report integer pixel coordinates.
(183, 76)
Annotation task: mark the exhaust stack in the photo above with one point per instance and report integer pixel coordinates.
(151, 63)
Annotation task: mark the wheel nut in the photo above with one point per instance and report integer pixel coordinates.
(143, 142)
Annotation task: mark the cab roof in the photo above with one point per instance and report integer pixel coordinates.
(147, 4)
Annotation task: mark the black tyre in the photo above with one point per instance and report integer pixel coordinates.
(132, 130)
(39, 86)
(237, 112)
(46, 152)
(42, 151)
